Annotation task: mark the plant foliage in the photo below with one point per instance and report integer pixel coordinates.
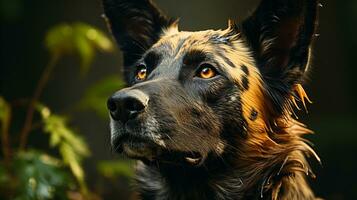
(31, 174)
(71, 146)
(77, 38)
(40, 176)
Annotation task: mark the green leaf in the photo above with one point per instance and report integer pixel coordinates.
(80, 39)
(96, 96)
(43, 110)
(85, 51)
(72, 160)
(71, 146)
(57, 126)
(40, 176)
(114, 168)
(99, 39)
(59, 39)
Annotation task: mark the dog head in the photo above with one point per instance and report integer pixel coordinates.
(198, 95)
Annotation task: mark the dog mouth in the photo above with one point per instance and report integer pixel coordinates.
(144, 149)
(136, 147)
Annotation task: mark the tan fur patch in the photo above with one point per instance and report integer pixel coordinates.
(254, 97)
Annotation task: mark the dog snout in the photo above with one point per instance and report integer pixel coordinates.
(126, 105)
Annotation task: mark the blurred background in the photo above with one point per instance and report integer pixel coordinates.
(59, 64)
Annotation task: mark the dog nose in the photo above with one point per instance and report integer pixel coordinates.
(127, 105)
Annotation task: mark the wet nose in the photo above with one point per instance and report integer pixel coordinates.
(126, 105)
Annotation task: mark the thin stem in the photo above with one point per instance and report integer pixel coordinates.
(6, 148)
(32, 105)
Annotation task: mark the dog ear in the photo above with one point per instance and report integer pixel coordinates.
(280, 33)
(136, 25)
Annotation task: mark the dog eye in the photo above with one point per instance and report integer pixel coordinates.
(141, 73)
(206, 71)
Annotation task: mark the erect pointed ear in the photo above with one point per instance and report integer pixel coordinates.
(136, 25)
(280, 33)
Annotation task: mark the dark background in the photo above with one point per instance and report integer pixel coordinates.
(331, 87)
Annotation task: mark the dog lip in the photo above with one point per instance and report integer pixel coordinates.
(126, 138)
(137, 147)
(139, 150)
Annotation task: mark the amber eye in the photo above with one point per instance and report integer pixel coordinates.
(141, 73)
(206, 72)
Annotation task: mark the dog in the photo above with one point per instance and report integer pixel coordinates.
(210, 114)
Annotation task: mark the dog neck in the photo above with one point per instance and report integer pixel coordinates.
(219, 180)
(258, 167)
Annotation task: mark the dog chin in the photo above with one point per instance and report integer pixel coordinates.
(135, 147)
(140, 150)
(147, 152)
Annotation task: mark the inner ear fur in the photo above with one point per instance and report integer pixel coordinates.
(136, 26)
(280, 33)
